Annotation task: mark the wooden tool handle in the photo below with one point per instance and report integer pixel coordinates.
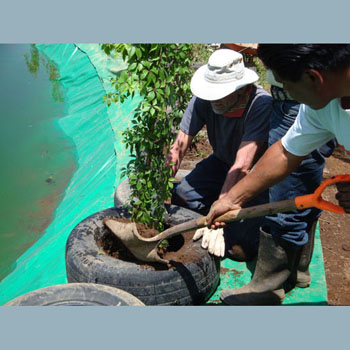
(233, 215)
(258, 210)
(178, 229)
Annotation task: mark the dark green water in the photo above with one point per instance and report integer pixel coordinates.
(37, 160)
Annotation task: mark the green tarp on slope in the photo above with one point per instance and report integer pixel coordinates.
(88, 123)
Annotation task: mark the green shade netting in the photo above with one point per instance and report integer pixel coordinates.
(95, 129)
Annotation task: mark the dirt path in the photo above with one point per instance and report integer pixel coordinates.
(335, 238)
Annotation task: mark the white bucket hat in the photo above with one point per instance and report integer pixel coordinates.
(224, 74)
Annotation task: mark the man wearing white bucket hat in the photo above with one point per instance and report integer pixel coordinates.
(236, 115)
(318, 77)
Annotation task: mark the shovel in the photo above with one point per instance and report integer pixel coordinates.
(145, 249)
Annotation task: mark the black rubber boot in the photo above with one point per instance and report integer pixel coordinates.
(276, 262)
(240, 253)
(303, 277)
(242, 245)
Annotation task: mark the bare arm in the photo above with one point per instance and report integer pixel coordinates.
(273, 167)
(247, 154)
(178, 150)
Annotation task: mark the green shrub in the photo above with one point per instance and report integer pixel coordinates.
(161, 74)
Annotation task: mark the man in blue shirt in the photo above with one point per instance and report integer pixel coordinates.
(235, 113)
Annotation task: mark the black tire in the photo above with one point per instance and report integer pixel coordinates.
(188, 284)
(76, 294)
(122, 193)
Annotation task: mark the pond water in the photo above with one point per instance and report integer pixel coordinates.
(37, 159)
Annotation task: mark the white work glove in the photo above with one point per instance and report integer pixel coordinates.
(213, 240)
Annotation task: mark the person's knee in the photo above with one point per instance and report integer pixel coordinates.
(296, 235)
(178, 196)
(181, 192)
(186, 197)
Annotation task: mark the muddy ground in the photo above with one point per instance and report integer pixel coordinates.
(335, 238)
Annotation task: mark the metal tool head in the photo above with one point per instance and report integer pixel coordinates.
(142, 248)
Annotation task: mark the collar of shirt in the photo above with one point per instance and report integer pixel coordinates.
(237, 110)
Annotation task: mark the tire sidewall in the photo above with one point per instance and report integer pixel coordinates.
(77, 294)
(188, 284)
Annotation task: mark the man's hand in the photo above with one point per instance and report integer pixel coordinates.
(173, 158)
(177, 151)
(220, 207)
(213, 240)
(343, 195)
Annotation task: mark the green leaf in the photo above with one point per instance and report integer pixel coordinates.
(138, 53)
(167, 90)
(152, 76)
(146, 64)
(154, 47)
(162, 74)
(131, 52)
(133, 66)
(144, 74)
(151, 96)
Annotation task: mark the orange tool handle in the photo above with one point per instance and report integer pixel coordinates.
(315, 199)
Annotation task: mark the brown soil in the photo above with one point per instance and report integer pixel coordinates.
(333, 227)
(178, 249)
(335, 237)
(197, 151)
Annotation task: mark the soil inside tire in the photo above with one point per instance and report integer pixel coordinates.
(178, 249)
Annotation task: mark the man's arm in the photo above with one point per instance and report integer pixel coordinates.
(273, 167)
(246, 155)
(178, 150)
